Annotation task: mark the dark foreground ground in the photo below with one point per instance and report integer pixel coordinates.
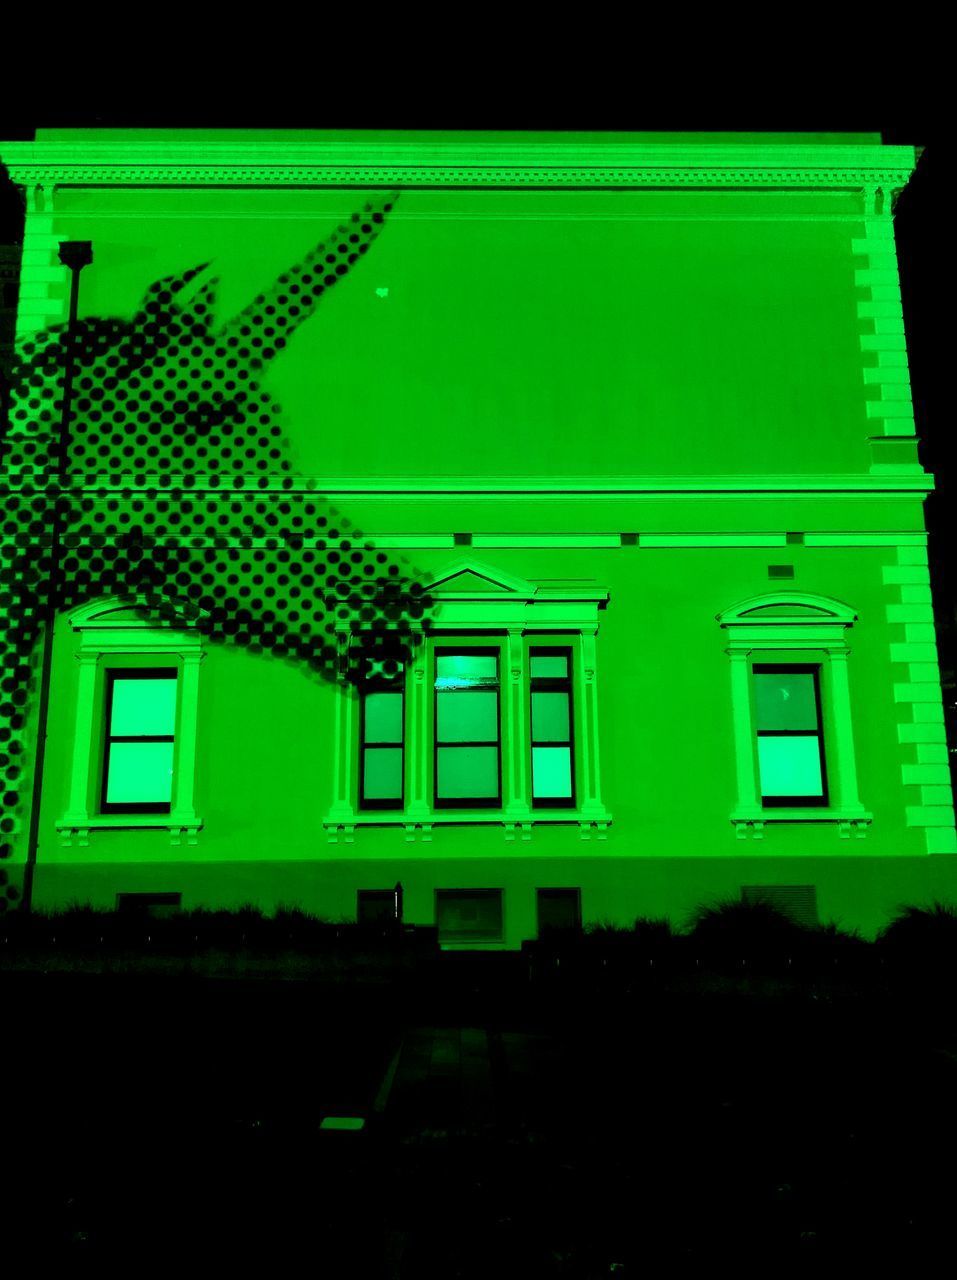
(152, 1122)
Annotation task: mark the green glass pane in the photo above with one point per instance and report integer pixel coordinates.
(467, 773)
(549, 666)
(790, 767)
(465, 670)
(785, 700)
(140, 773)
(551, 773)
(467, 717)
(382, 774)
(550, 717)
(383, 717)
(143, 708)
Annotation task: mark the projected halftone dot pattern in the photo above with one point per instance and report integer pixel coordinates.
(176, 469)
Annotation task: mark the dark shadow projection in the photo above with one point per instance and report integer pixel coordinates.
(171, 482)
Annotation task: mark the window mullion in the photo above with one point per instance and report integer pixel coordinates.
(514, 745)
(417, 735)
(591, 802)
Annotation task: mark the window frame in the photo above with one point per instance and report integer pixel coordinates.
(550, 685)
(474, 606)
(439, 650)
(779, 629)
(371, 686)
(125, 634)
(796, 801)
(111, 674)
(472, 939)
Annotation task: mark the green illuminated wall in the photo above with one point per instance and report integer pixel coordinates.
(548, 344)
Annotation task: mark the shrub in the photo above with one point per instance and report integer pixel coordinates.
(653, 932)
(922, 936)
(756, 932)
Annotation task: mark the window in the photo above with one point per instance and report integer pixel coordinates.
(136, 698)
(559, 910)
(791, 713)
(799, 901)
(469, 915)
(377, 906)
(467, 724)
(553, 774)
(494, 719)
(787, 710)
(382, 745)
(139, 740)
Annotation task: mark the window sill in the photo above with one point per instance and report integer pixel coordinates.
(75, 829)
(751, 821)
(340, 827)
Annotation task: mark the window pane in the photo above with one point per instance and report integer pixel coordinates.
(383, 717)
(785, 700)
(382, 774)
(467, 773)
(140, 773)
(375, 906)
(790, 766)
(143, 708)
(559, 909)
(465, 670)
(469, 914)
(467, 717)
(552, 773)
(550, 717)
(549, 666)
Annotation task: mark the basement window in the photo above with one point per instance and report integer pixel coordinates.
(469, 915)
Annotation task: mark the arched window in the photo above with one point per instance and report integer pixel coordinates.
(793, 729)
(134, 746)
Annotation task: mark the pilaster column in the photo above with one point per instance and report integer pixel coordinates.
(345, 696)
(587, 741)
(183, 808)
(83, 745)
(517, 765)
(743, 728)
(843, 736)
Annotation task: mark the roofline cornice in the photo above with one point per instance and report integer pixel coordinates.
(456, 164)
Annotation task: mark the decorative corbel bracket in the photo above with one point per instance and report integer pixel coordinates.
(513, 828)
(599, 827)
(751, 828)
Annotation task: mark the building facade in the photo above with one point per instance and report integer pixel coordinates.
(535, 521)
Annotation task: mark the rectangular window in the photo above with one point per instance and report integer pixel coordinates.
(469, 915)
(799, 901)
(382, 746)
(553, 772)
(468, 771)
(376, 906)
(559, 910)
(138, 748)
(790, 737)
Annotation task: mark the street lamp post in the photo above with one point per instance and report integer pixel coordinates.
(74, 254)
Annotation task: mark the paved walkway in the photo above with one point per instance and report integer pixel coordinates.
(443, 1084)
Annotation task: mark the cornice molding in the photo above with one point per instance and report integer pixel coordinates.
(889, 481)
(436, 164)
